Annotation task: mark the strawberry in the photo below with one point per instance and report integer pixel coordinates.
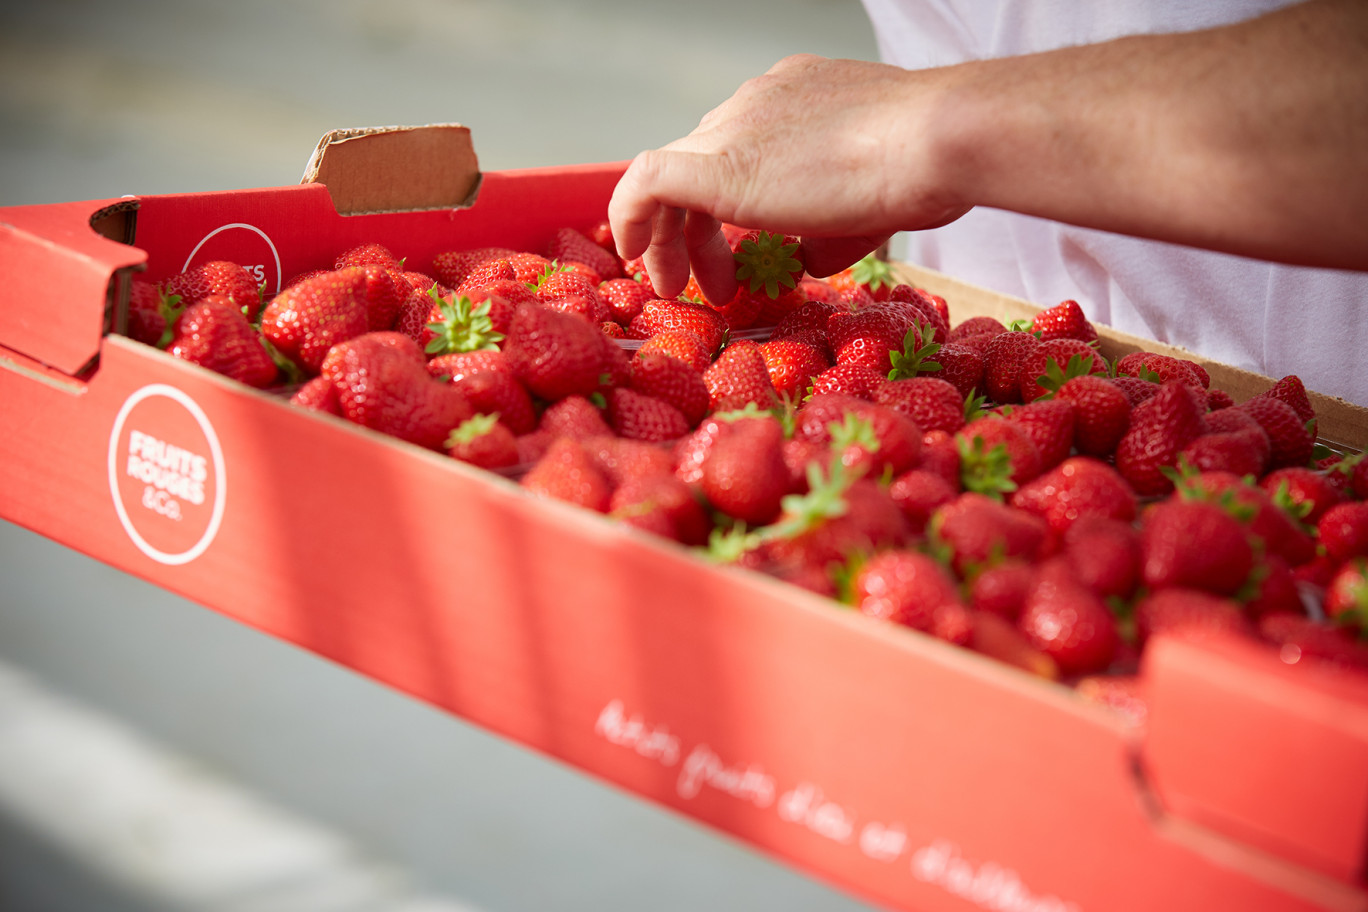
(661, 504)
(941, 455)
(214, 333)
(1303, 492)
(1137, 390)
(1251, 434)
(1002, 640)
(662, 376)
(1001, 589)
(974, 326)
(383, 384)
(867, 337)
(1002, 361)
(659, 315)
(740, 377)
(1065, 320)
(483, 441)
(1124, 693)
(569, 244)
(807, 319)
(1053, 363)
(318, 395)
(1196, 545)
(1218, 399)
(1069, 623)
(868, 436)
(743, 474)
(961, 367)
(554, 354)
(640, 417)
(457, 365)
(1275, 528)
(575, 417)
(1272, 588)
(457, 324)
(1298, 637)
(151, 313)
(767, 261)
(1104, 554)
(1236, 452)
(622, 460)
(870, 274)
(625, 298)
(1078, 488)
(1160, 368)
(566, 472)
(1159, 430)
(1343, 530)
(368, 254)
(487, 273)
(791, 365)
(919, 493)
(218, 277)
(1291, 390)
(849, 379)
(1101, 414)
(1187, 612)
(980, 531)
(904, 587)
(1290, 442)
(919, 308)
(814, 289)
(499, 393)
(1050, 425)
(1346, 598)
(774, 310)
(528, 267)
(996, 455)
(306, 320)
(929, 401)
(841, 516)
(681, 344)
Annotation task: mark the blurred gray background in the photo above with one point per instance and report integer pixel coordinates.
(155, 756)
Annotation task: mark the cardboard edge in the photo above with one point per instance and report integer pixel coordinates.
(371, 170)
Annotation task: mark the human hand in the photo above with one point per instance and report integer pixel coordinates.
(837, 152)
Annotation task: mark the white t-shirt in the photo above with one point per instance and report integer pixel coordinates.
(1265, 317)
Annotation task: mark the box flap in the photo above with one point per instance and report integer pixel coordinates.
(396, 169)
(63, 276)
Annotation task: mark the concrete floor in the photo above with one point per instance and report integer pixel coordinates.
(155, 756)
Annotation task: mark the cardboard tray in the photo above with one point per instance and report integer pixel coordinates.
(909, 772)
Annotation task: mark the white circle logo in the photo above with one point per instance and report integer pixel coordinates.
(166, 474)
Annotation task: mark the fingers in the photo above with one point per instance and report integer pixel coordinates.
(826, 256)
(710, 257)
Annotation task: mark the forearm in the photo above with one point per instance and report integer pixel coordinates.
(1252, 139)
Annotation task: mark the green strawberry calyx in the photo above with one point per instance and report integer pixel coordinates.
(873, 273)
(985, 470)
(464, 326)
(170, 307)
(1055, 376)
(472, 429)
(767, 262)
(914, 359)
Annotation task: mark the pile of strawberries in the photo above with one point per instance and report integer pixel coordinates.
(1003, 487)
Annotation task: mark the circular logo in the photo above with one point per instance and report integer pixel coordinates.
(246, 245)
(166, 474)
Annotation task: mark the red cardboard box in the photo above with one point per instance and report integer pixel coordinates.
(909, 772)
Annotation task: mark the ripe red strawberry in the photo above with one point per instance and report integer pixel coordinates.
(1065, 320)
(973, 326)
(1001, 589)
(1079, 487)
(767, 261)
(575, 417)
(1236, 452)
(151, 313)
(1290, 441)
(574, 245)
(933, 403)
(457, 365)
(220, 277)
(625, 298)
(1053, 363)
(1002, 361)
(487, 273)
(641, 417)
(839, 517)
(980, 531)
(368, 254)
(663, 505)
(1266, 522)
(849, 379)
(1291, 390)
(1069, 623)
(681, 344)
(867, 337)
(383, 384)
(1195, 544)
(905, 587)
(622, 460)
(529, 267)
(1101, 414)
(962, 367)
(1251, 434)
(1189, 613)
(940, 454)
(773, 310)
(306, 320)
(740, 377)
(1343, 530)
(1137, 390)
(214, 333)
(459, 324)
(1050, 425)
(743, 473)
(453, 267)
(1160, 368)
(554, 354)
(869, 437)
(1346, 598)
(1273, 588)
(870, 274)
(567, 472)
(318, 395)
(1303, 492)
(918, 306)
(1159, 430)
(996, 455)
(499, 393)
(792, 364)
(1299, 637)
(919, 493)
(663, 376)
(807, 319)
(1104, 554)
(484, 441)
(700, 319)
